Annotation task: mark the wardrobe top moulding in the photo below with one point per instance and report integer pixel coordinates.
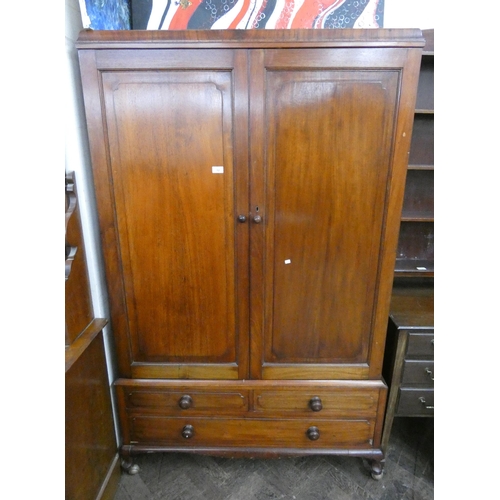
(300, 38)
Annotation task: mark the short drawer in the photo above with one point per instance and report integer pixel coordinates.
(417, 372)
(415, 402)
(179, 433)
(189, 401)
(332, 402)
(420, 345)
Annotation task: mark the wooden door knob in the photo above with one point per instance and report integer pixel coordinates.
(186, 402)
(315, 404)
(187, 431)
(313, 433)
(257, 219)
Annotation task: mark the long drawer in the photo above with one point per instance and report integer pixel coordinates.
(251, 433)
(323, 400)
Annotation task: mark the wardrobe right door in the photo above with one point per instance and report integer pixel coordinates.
(321, 185)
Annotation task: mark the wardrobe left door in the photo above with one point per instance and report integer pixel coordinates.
(168, 132)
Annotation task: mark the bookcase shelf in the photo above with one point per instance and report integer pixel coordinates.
(415, 256)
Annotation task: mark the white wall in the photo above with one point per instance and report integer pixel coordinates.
(77, 159)
(410, 14)
(77, 155)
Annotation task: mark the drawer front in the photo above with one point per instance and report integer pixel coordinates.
(418, 373)
(251, 433)
(416, 402)
(334, 402)
(187, 402)
(420, 345)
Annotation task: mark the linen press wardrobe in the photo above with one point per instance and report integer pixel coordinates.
(249, 188)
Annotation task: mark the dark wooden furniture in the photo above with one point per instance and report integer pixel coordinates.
(249, 188)
(409, 359)
(92, 462)
(78, 302)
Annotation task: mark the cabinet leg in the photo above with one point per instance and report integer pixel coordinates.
(377, 467)
(127, 464)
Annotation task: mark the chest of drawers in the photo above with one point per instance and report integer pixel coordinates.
(306, 417)
(409, 360)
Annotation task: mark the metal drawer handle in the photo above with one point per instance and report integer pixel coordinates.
(429, 372)
(422, 400)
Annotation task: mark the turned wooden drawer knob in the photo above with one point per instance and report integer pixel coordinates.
(315, 404)
(313, 433)
(187, 431)
(186, 402)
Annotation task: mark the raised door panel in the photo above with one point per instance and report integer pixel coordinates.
(172, 164)
(329, 134)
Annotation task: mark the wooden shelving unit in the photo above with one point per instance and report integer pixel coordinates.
(415, 257)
